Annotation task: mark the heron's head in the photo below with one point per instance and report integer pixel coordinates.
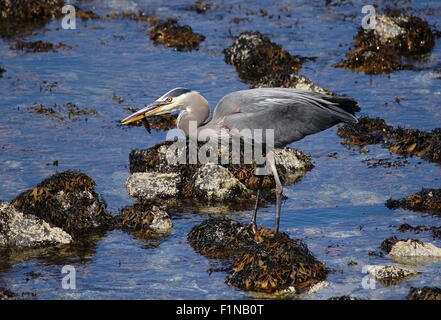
(176, 99)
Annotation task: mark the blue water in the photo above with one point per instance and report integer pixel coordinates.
(116, 57)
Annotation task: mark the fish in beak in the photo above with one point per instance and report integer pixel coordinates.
(148, 111)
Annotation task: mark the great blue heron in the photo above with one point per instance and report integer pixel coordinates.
(291, 113)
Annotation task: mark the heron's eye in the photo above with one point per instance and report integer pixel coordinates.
(169, 99)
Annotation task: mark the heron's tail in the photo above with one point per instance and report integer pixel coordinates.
(345, 107)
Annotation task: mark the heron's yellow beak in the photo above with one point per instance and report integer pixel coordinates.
(148, 111)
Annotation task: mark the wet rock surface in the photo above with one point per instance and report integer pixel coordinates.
(409, 248)
(263, 63)
(146, 186)
(381, 50)
(261, 261)
(66, 200)
(145, 221)
(255, 56)
(390, 275)
(426, 200)
(22, 17)
(425, 293)
(18, 230)
(172, 35)
(407, 142)
(150, 168)
(221, 238)
(6, 294)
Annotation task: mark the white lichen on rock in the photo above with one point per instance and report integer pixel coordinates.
(19, 230)
(143, 186)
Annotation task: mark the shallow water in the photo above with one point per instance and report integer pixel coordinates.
(337, 208)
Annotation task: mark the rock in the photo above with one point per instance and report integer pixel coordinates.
(426, 200)
(261, 260)
(407, 142)
(6, 294)
(343, 298)
(145, 221)
(67, 200)
(201, 6)
(259, 61)
(380, 50)
(414, 248)
(390, 275)
(215, 182)
(2, 70)
(388, 243)
(155, 175)
(19, 230)
(146, 186)
(425, 293)
(221, 238)
(318, 286)
(19, 17)
(172, 35)
(276, 263)
(292, 81)
(407, 227)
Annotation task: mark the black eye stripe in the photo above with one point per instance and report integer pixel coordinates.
(177, 92)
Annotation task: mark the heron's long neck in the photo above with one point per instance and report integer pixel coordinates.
(193, 117)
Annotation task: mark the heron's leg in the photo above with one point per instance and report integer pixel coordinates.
(254, 218)
(279, 188)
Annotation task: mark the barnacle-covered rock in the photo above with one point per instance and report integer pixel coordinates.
(19, 231)
(157, 173)
(146, 186)
(66, 200)
(426, 200)
(221, 238)
(407, 142)
(145, 220)
(21, 17)
(414, 248)
(390, 275)
(424, 293)
(381, 50)
(172, 35)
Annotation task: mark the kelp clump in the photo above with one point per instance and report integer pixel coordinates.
(406, 142)
(276, 263)
(18, 17)
(172, 35)
(260, 260)
(424, 293)
(145, 220)
(66, 200)
(256, 57)
(426, 200)
(380, 50)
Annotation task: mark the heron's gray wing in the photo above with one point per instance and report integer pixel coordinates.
(292, 114)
